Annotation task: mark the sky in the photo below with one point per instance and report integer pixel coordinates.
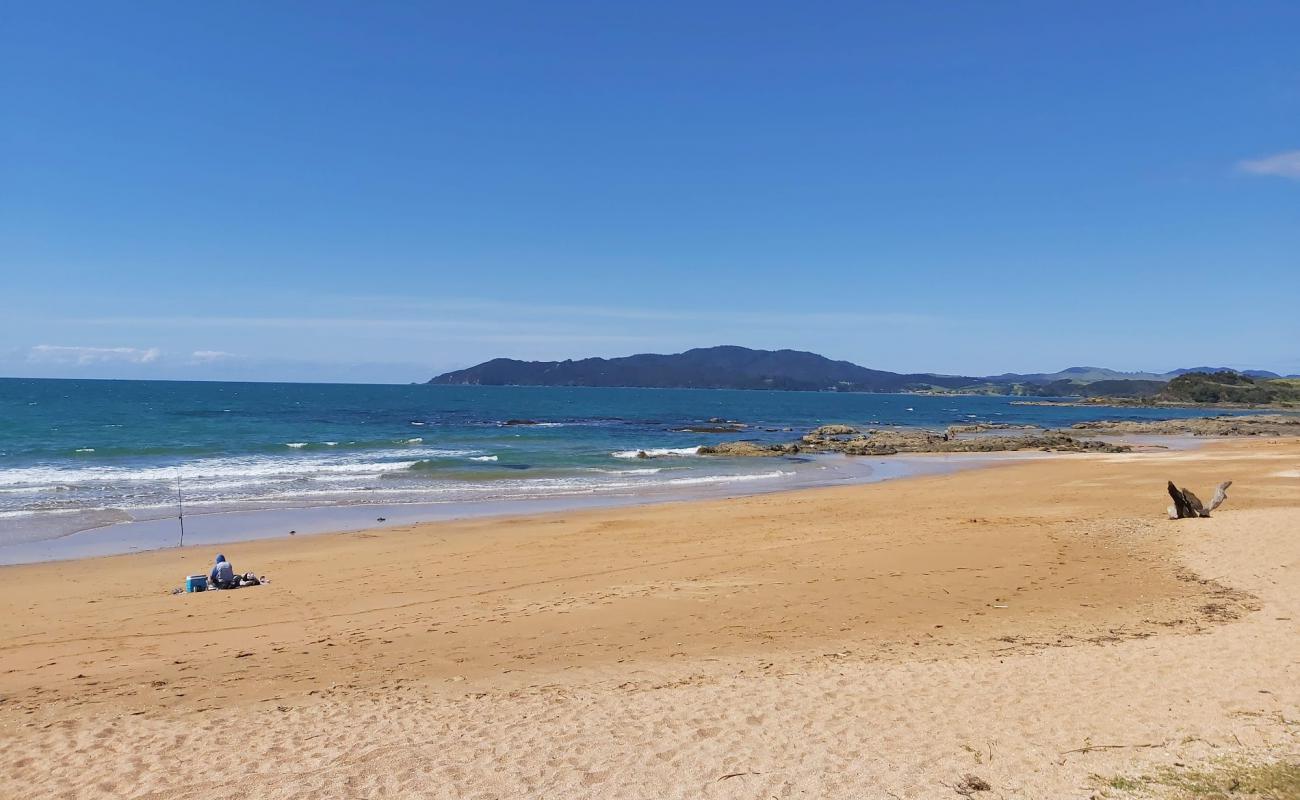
(384, 191)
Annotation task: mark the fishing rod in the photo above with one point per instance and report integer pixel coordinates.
(180, 505)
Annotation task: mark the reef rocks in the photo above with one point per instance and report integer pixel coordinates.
(748, 449)
(1244, 425)
(829, 432)
(1054, 441)
(882, 442)
(983, 427)
(921, 441)
(1001, 437)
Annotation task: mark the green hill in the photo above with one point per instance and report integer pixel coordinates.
(1230, 387)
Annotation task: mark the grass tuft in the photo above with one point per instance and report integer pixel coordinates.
(1223, 780)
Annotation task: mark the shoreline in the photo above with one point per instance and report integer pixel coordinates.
(214, 529)
(234, 526)
(839, 641)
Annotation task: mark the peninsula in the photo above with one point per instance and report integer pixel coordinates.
(732, 367)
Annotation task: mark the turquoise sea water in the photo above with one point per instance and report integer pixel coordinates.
(79, 455)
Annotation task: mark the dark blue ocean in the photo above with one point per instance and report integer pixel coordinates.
(78, 455)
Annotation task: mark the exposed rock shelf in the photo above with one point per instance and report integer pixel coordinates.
(882, 442)
(1249, 425)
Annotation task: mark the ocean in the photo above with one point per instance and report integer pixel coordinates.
(100, 466)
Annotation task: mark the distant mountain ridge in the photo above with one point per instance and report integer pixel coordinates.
(723, 367)
(1080, 374)
(734, 367)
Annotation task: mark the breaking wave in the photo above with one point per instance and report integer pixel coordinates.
(657, 452)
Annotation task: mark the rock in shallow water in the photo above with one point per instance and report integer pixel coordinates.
(748, 449)
(850, 441)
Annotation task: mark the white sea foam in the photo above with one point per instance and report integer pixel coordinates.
(646, 471)
(413, 440)
(703, 479)
(42, 512)
(248, 467)
(658, 452)
(85, 450)
(295, 445)
(482, 458)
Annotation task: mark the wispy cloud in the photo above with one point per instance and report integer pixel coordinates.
(766, 316)
(464, 315)
(459, 331)
(83, 356)
(208, 356)
(1282, 165)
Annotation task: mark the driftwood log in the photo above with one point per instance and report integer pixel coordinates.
(1188, 506)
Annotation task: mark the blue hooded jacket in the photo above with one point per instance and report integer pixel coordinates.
(222, 571)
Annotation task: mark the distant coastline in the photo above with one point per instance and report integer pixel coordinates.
(732, 367)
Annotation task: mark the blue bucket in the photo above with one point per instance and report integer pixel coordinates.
(196, 583)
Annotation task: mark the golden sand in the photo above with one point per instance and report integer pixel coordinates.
(1038, 624)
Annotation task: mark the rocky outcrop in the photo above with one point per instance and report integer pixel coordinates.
(913, 440)
(829, 432)
(986, 437)
(984, 427)
(748, 449)
(883, 442)
(1054, 441)
(1246, 425)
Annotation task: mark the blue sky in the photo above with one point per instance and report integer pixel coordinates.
(381, 191)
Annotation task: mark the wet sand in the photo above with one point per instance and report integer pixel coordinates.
(865, 641)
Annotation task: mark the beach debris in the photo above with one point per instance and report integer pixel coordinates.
(1188, 506)
(381, 519)
(970, 784)
(1089, 747)
(1220, 494)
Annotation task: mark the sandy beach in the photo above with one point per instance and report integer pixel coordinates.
(1036, 625)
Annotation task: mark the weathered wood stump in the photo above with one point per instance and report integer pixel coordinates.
(1188, 506)
(1220, 494)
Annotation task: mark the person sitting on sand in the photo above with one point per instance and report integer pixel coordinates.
(223, 574)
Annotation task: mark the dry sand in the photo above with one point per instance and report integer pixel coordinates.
(1037, 624)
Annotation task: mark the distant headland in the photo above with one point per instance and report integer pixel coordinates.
(733, 367)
